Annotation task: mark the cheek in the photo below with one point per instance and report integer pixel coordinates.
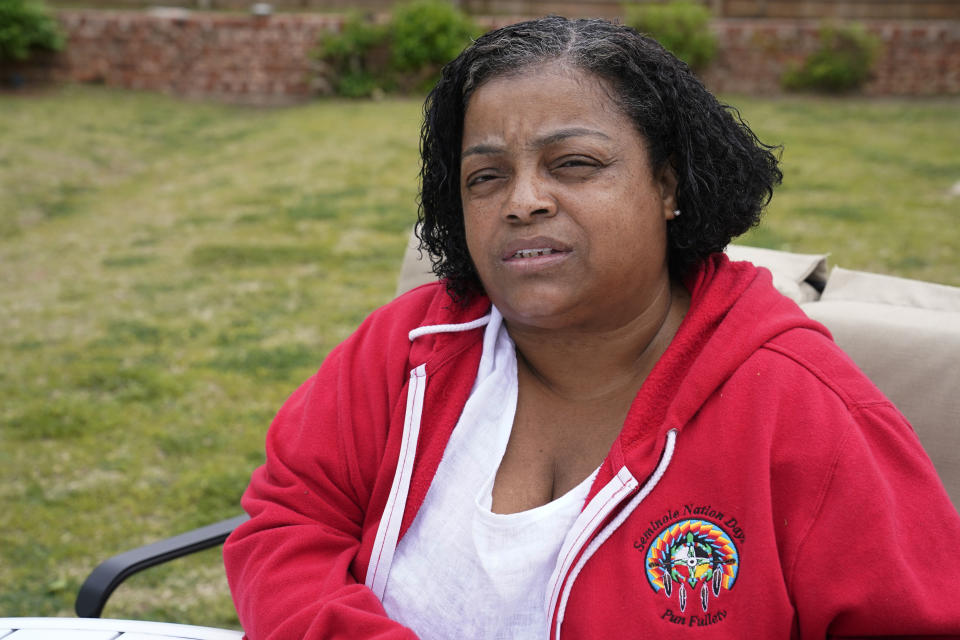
(474, 233)
(635, 233)
(469, 227)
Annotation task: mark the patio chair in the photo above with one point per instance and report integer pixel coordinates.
(108, 575)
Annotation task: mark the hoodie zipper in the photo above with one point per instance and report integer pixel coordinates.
(606, 500)
(385, 544)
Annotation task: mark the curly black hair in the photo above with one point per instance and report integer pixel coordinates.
(725, 174)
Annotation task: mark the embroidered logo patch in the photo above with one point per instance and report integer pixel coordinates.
(692, 558)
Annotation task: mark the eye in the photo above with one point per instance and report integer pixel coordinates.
(480, 177)
(577, 161)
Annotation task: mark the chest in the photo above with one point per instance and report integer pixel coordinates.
(553, 446)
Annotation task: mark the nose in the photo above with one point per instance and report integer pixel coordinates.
(529, 198)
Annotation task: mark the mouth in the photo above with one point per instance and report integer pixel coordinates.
(532, 248)
(532, 253)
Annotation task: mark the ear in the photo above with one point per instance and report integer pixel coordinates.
(667, 183)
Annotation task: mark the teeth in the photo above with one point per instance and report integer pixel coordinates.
(532, 253)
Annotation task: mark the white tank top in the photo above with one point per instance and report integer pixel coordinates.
(462, 570)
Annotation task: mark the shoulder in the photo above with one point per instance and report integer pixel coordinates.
(804, 363)
(377, 358)
(384, 333)
(408, 311)
(376, 352)
(428, 304)
(847, 462)
(350, 399)
(814, 409)
(813, 360)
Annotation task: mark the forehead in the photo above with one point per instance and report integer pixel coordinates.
(539, 98)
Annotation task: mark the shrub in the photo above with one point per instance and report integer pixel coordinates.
(682, 27)
(351, 56)
(405, 54)
(25, 27)
(426, 34)
(842, 62)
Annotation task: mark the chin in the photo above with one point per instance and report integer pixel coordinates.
(541, 310)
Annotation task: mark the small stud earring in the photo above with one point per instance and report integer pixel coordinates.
(676, 213)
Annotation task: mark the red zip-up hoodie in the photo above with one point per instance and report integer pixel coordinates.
(761, 486)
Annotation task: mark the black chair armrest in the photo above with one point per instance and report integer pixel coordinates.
(110, 573)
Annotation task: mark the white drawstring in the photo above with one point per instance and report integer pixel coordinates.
(448, 328)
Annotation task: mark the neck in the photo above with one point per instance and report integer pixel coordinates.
(584, 365)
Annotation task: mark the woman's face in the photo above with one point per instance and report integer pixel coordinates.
(565, 219)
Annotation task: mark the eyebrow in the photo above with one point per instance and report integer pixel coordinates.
(539, 143)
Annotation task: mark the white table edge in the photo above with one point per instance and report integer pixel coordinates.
(122, 626)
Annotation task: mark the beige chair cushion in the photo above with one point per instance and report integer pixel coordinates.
(415, 269)
(799, 276)
(861, 286)
(905, 335)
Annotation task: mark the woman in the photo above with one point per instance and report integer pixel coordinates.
(597, 425)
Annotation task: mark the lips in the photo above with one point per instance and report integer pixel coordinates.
(538, 247)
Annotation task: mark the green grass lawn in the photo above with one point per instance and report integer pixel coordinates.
(172, 270)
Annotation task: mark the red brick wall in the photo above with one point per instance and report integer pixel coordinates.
(834, 9)
(916, 57)
(231, 57)
(242, 58)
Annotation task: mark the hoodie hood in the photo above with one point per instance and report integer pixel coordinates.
(734, 311)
